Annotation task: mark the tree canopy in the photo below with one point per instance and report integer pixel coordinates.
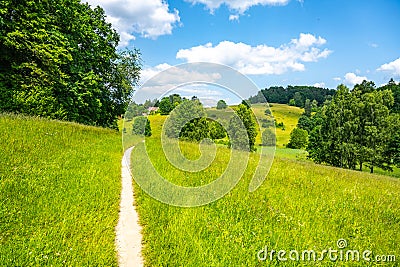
(355, 128)
(59, 60)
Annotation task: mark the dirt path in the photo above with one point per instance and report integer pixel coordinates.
(128, 237)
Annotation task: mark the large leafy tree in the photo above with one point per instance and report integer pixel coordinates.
(59, 60)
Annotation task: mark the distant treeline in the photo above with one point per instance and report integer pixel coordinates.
(293, 95)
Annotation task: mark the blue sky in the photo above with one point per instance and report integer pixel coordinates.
(273, 42)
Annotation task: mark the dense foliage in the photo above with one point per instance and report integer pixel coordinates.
(294, 95)
(187, 121)
(298, 139)
(141, 126)
(355, 128)
(243, 137)
(59, 60)
(168, 103)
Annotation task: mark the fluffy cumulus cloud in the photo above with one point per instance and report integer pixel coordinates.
(320, 85)
(239, 6)
(352, 79)
(261, 59)
(393, 67)
(150, 18)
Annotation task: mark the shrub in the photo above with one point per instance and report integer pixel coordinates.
(298, 139)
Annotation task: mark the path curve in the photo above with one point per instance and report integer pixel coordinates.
(128, 231)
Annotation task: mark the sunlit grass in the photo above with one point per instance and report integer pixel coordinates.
(282, 113)
(59, 193)
(300, 206)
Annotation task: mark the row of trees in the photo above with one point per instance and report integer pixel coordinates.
(189, 121)
(355, 128)
(59, 60)
(293, 95)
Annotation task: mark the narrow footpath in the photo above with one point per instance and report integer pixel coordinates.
(128, 231)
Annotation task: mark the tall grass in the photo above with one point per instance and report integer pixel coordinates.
(300, 206)
(59, 193)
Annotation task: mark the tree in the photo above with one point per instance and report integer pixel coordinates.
(298, 99)
(247, 117)
(59, 60)
(305, 123)
(165, 106)
(141, 126)
(238, 137)
(268, 138)
(217, 131)
(314, 105)
(195, 130)
(221, 104)
(186, 121)
(354, 128)
(395, 88)
(298, 139)
(134, 110)
(246, 103)
(307, 108)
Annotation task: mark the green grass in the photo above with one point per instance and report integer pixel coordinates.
(300, 206)
(59, 193)
(282, 113)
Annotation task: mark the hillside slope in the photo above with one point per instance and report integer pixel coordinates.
(299, 206)
(59, 193)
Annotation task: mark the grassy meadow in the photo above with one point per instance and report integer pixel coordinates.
(59, 193)
(300, 206)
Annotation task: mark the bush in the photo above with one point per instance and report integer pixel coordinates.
(280, 125)
(298, 139)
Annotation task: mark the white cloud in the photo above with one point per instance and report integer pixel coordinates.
(338, 79)
(150, 72)
(237, 5)
(261, 59)
(149, 18)
(393, 67)
(233, 17)
(352, 79)
(320, 85)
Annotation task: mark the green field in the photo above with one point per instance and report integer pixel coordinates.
(300, 206)
(59, 201)
(59, 193)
